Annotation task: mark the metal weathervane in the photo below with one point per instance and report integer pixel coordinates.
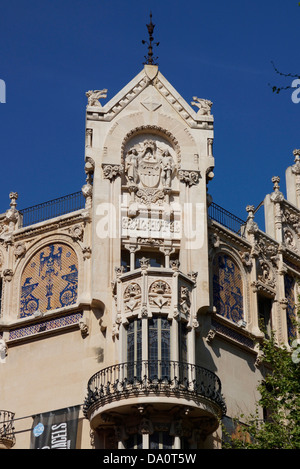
(150, 60)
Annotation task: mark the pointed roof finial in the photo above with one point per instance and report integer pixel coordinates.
(150, 59)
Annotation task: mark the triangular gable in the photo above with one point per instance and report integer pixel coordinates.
(150, 75)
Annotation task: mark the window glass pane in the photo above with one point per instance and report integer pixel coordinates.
(182, 342)
(153, 347)
(134, 349)
(159, 347)
(165, 348)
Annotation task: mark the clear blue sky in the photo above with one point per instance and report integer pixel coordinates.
(53, 51)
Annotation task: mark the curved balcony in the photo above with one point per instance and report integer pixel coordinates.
(163, 385)
(7, 436)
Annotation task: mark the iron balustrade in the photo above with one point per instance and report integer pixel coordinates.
(7, 426)
(227, 219)
(52, 208)
(153, 376)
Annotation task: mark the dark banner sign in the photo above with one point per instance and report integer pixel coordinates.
(56, 429)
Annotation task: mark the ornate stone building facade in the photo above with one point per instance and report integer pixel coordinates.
(141, 304)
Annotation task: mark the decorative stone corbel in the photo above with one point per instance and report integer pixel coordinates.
(20, 249)
(174, 264)
(193, 276)
(144, 263)
(119, 270)
(190, 178)
(211, 334)
(259, 359)
(8, 275)
(246, 259)
(84, 327)
(112, 171)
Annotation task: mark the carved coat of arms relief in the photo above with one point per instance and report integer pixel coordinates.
(149, 169)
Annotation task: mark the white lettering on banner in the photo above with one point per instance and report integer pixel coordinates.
(59, 436)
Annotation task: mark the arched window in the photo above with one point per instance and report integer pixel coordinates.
(49, 280)
(227, 288)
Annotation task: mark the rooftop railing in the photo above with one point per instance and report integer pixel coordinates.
(52, 208)
(76, 201)
(227, 219)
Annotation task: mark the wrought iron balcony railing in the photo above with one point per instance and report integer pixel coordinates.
(153, 376)
(7, 435)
